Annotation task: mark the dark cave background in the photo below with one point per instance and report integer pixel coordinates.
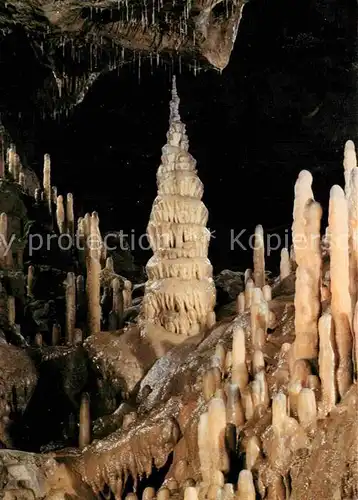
(249, 128)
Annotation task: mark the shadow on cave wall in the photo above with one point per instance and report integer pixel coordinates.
(285, 102)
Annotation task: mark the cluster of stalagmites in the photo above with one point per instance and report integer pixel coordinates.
(95, 292)
(180, 292)
(321, 362)
(271, 412)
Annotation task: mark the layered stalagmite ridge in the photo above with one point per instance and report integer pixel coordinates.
(180, 292)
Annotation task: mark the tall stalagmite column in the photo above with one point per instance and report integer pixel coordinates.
(180, 292)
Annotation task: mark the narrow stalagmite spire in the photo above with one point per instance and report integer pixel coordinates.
(47, 181)
(306, 239)
(180, 292)
(341, 300)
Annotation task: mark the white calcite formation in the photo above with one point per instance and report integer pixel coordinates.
(180, 292)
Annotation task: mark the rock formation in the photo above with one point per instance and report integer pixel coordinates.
(180, 292)
(263, 407)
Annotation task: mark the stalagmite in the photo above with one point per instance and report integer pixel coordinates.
(69, 215)
(258, 362)
(245, 486)
(240, 303)
(349, 164)
(247, 275)
(85, 422)
(60, 215)
(267, 293)
(54, 194)
(148, 493)
(47, 182)
(94, 252)
(259, 319)
(3, 240)
(228, 363)
(279, 413)
(13, 162)
(37, 195)
(127, 294)
(341, 299)
(355, 339)
(252, 452)
(307, 409)
(22, 181)
(306, 238)
(30, 281)
(259, 257)
(180, 291)
(294, 389)
(327, 364)
(70, 307)
(56, 334)
(93, 291)
(77, 336)
(247, 403)
(11, 309)
(204, 448)
(118, 302)
(219, 357)
(351, 192)
(38, 341)
(276, 489)
(285, 264)
(264, 390)
(217, 425)
(249, 287)
(190, 493)
(240, 374)
(234, 410)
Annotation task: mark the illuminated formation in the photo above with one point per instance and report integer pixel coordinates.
(180, 292)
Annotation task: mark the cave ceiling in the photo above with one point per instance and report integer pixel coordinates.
(76, 41)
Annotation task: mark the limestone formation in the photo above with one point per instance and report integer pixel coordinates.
(180, 291)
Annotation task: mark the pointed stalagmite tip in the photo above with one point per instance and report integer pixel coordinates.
(174, 104)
